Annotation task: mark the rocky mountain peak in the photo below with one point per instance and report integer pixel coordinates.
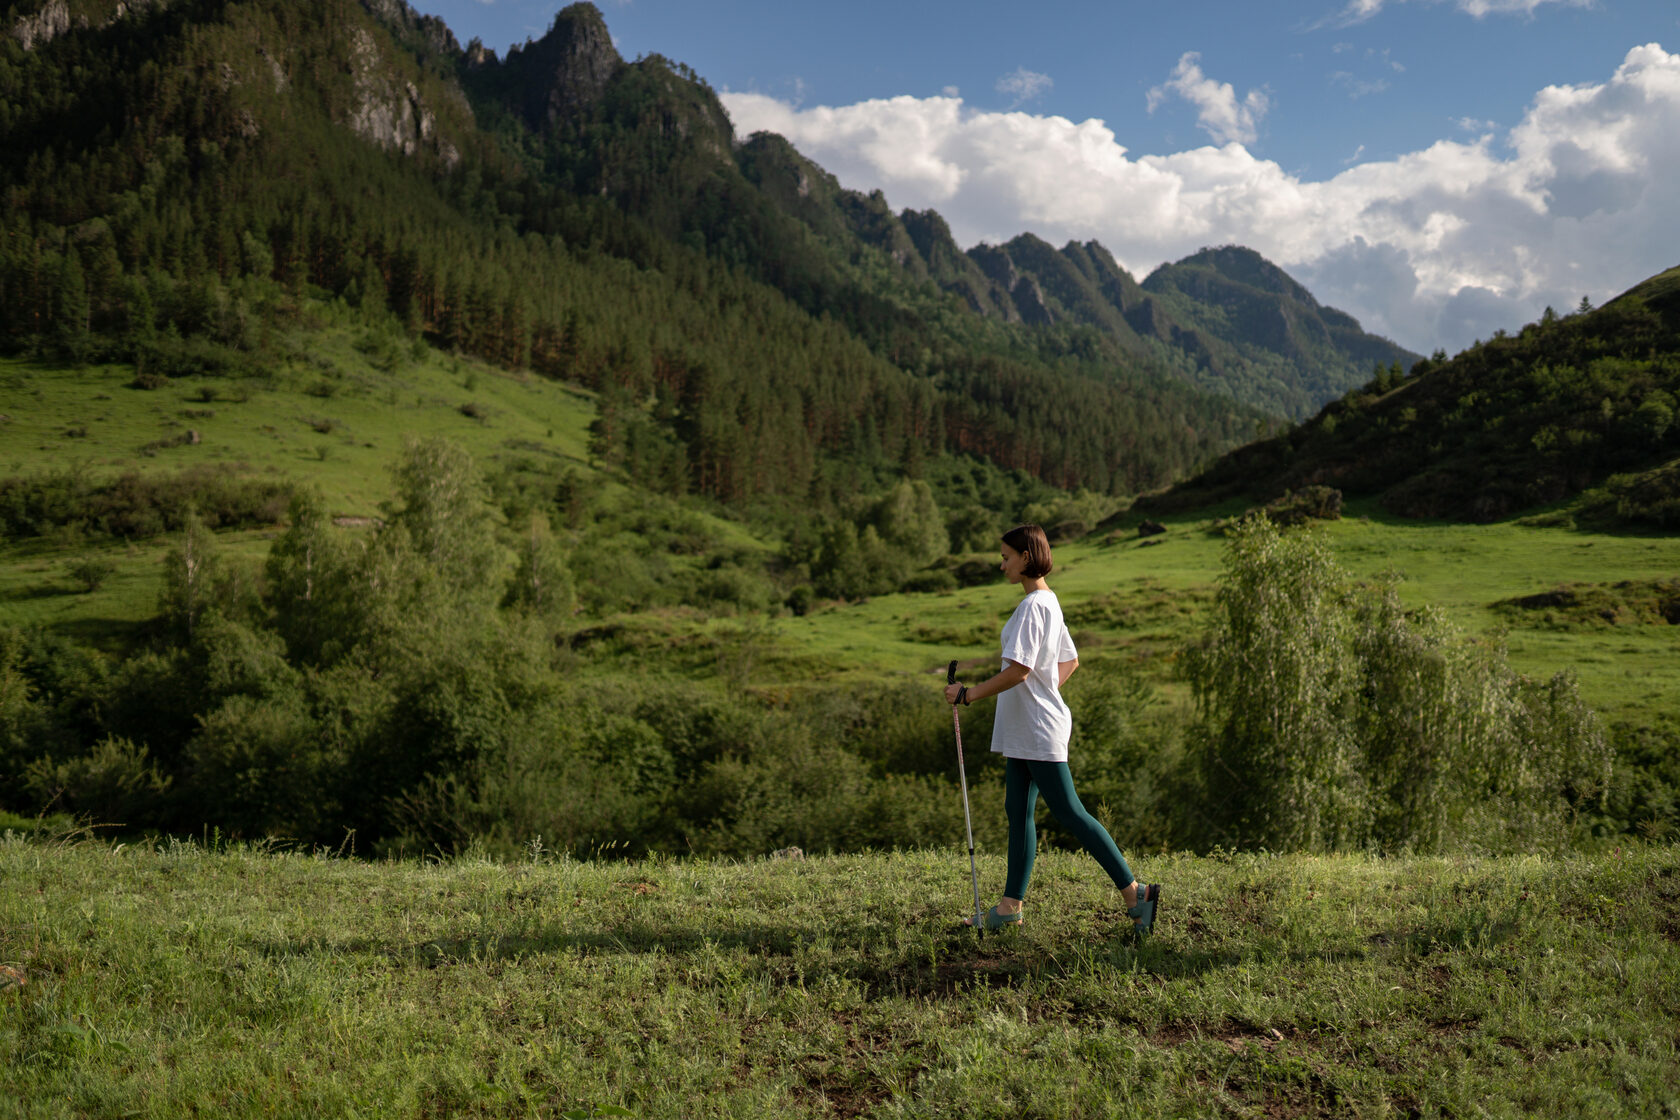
(570, 66)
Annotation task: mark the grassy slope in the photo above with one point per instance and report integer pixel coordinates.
(1165, 589)
(275, 430)
(183, 981)
(1129, 602)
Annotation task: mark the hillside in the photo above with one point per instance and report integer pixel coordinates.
(1579, 406)
(196, 177)
(184, 979)
(1258, 335)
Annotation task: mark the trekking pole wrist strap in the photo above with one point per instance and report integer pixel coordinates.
(962, 696)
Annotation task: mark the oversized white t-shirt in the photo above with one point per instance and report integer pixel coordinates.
(1032, 720)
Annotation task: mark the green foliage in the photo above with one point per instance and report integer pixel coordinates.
(133, 506)
(91, 574)
(542, 585)
(1330, 717)
(1271, 684)
(113, 784)
(1565, 406)
(191, 573)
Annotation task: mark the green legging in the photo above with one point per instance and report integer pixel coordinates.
(1023, 781)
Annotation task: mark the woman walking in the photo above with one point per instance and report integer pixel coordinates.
(1031, 730)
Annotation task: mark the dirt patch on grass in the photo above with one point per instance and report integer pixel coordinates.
(1234, 1036)
(847, 1084)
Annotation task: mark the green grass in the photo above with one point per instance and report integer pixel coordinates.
(1143, 601)
(341, 444)
(179, 980)
(1139, 602)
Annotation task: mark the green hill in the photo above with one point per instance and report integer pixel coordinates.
(1573, 407)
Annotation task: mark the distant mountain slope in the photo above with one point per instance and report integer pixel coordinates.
(652, 137)
(1262, 337)
(1568, 403)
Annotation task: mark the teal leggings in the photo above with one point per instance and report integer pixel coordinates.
(1023, 781)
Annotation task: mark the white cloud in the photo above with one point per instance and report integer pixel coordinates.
(1357, 87)
(951, 91)
(1433, 248)
(1218, 112)
(1024, 85)
(1358, 11)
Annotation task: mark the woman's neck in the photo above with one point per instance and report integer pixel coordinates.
(1029, 584)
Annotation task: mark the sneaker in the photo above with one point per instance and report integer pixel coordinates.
(1143, 914)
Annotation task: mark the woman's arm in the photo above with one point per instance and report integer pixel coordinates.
(1064, 670)
(1011, 675)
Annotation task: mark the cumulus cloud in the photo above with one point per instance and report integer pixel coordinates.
(1433, 248)
(1218, 112)
(1024, 85)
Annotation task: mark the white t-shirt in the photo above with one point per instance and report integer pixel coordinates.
(1032, 720)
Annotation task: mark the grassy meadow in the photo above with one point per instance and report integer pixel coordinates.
(184, 979)
(335, 416)
(164, 978)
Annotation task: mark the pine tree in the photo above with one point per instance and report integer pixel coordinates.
(71, 309)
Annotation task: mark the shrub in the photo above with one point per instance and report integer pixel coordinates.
(115, 783)
(1328, 716)
(91, 574)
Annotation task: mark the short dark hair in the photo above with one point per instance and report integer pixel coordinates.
(1030, 541)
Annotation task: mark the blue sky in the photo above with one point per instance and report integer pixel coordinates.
(1439, 168)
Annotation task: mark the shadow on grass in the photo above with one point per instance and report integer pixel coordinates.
(37, 591)
(109, 635)
(929, 962)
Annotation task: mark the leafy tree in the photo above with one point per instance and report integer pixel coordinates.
(190, 573)
(542, 585)
(908, 521)
(1271, 684)
(443, 506)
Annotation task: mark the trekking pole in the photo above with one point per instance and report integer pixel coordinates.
(968, 821)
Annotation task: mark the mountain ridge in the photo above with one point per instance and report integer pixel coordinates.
(1577, 408)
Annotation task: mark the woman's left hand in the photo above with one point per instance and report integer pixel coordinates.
(952, 691)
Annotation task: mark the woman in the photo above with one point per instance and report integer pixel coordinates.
(1031, 731)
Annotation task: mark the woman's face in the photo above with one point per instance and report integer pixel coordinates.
(1012, 564)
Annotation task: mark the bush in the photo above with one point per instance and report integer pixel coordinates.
(135, 506)
(114, 784)
(91, 574)
(1329, 717)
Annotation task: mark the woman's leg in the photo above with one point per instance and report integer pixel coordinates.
(1020, 799)
(1055, 782)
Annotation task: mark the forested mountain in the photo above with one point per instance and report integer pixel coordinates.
(1258, 335)
(1574, 404)
(183, 175)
